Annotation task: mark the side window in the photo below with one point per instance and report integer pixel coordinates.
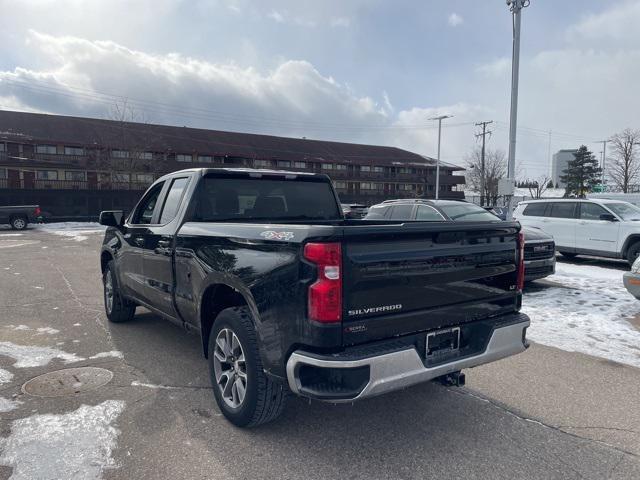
(144, 212)
(429, 214)
(563, 210)
(591, 211)
(402, 212)
(535, 209)
(174, 197)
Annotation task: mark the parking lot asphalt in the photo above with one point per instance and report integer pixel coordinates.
(545, 414)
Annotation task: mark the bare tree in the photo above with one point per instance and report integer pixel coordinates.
(538, 186)
(495, 168)
(625, 168)
(127, 145)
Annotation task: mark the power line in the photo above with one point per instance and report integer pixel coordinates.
(482, 175)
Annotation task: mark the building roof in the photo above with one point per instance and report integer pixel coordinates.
(38, 127)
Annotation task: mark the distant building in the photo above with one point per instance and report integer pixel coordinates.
(75, 166)
(559, 164)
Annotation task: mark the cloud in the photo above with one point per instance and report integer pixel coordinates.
(340, 22)
(617, 25)
(454, 20)
(276, 16)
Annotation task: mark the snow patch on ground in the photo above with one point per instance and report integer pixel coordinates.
(33, 356)
(49, 330)
(7, 405)
(151, 385)
(5, 376)
(75, 445)
(587, 314)
(77, 231)
(19, 327)
(112, 353)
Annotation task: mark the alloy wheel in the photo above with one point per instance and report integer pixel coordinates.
(230, 368)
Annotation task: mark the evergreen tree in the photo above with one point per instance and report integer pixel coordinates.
(582, 173)
(550, 185)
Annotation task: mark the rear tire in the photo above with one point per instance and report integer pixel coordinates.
(235, 369)
(569, 255)
(19, 223)
(117, 308)
(633, 252)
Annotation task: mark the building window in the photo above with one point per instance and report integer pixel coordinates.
(300, 164)
(340, 184)
(75, 175)
(47, 174)
(120, 153)
(47, 149)
(144, 177)
(365, 168)
(365, 186)
(284, 163)
(327, 166)
(73, 151)
(121, 177)
(183, 157)
(146, 155)
(341, 166)
(3, 147)
(261, 163)
(205, 159)
(3, 173)
(378, 186)
(378, 169)
(406, 186)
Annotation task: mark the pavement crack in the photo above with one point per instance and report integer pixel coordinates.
(588, 427)
(523, 418)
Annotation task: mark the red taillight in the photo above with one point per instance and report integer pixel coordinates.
(520, 261)
(325, 294)
(37, 212)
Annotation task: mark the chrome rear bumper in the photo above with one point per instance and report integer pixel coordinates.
(406, 367)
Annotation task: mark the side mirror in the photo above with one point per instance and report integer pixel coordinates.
(112, 218)
(608, 217)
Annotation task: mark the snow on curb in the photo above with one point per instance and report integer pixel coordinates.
(75, 445)
(588, 314)
(5, 376)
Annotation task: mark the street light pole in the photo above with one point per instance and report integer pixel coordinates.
(439, 118)
(604, 159)
(516, 7)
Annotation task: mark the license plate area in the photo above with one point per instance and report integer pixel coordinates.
(442, 343)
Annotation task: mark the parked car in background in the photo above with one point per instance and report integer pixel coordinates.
(288, 296)
(354, 210)
(19, 216)
(599, 227)
(632, 279)
(539, 248)
(500, 212)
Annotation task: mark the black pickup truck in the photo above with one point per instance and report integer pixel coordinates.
(19, 216)
(290, 297)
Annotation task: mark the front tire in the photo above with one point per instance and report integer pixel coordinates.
(243, 392)
(117, 308)
(19, 223)
(633, 252)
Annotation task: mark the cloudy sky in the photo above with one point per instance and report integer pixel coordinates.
(369, 71)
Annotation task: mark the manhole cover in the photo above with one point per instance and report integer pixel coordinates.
(70, 381)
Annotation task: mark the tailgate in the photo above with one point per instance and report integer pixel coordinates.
(405, 278)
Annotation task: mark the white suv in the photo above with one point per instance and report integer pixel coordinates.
(604, 228)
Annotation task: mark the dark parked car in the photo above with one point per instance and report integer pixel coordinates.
(354, 210)
(288, 296)
(19, 216)
(539, 248)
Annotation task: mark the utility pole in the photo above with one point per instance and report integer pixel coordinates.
(439, 118)
(482, 169)
(604, 159)
(516, 7)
